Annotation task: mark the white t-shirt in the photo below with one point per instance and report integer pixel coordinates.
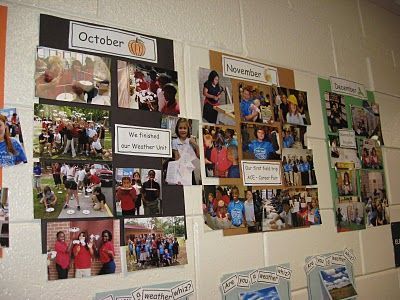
(57, 138)
(91, 132)
(71, 173)
(96, 145)
(161, 99)
(81, 175)
(294, 119)
(101, 100)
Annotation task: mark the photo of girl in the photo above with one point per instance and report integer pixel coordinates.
(216, 98)
(335, 111)
(293, 136)
(147, 88)
(346, 179)
(220, 152)
(371, 154)
(298, 166)
(293, 106)
(184, 166)
(82, 248)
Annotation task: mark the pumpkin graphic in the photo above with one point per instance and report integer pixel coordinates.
(136, 47)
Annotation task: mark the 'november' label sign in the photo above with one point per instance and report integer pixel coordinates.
(243, 69)
(112, 42)
(346, 87)
(142, 141)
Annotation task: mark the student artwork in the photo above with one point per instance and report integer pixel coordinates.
(155, 242)
(331, 276)
(94, 248)
(72, 77)
(184, 166)
(147, 88)
(396, 242)
(4, 218)
(65, 189)
(298, 167)
(170, 290)
(265, 283)
(335, 111)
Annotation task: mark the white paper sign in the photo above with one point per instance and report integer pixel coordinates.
(268, 277)
(112, 41)
(109, 297)
(244, 69)
(261, 173)
(310, 265)
(137, 294)
(163, 294)
(328, 261)
(142, 141)
(243, 281)
(346, 87)
(253, 276)
(182, 290)
(347, 138)
(338, 259)
(348, 254)
(320, 261)
(283, 272)
(229, 284)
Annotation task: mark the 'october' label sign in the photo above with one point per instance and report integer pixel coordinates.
(261, 173)
(142, 141)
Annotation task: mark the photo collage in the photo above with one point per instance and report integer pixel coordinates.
(91, 198)
(256, 161)
(355, 145)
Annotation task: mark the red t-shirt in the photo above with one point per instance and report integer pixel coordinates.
(127, 198)
(94, 179)
(225, 198)
(83, 259)
(104, 257)
(62, 258)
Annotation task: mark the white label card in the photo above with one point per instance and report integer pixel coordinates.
(338, 259)
(261, 173)
(183, 290)
(310, 265)
(346, 87)
(253, 276)
(137, 294)
(320, 261)
(348, 254)
(243, 281)
(109, 297)
(268, 277)
(283, 272)
(153, 294)
(229, 284)
(347, 138)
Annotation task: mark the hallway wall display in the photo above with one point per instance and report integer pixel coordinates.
(354, 141)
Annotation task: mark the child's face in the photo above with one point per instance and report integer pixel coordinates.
(136, 176)
(260, 134)
(126, 183)
(61, 237)
(249, 195)
(235, 194)
(183, 130)
(286, 207)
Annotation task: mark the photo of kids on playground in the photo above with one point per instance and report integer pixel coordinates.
(155, 242)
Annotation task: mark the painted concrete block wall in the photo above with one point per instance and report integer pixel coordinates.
(353, 39)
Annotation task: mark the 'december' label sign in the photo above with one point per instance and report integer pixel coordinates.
(248, 70)
(347, 87)
(112, 42)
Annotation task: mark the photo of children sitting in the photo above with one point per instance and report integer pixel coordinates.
(155, 242)
(335, 111)
(290, 208)
(261, 142)
(350, 215)
(63, 132)
(230, 207)
(298, 167)
(221, 152)
(371, 154)
(147, 88)
(255, 103)
(73, 77)
(293, 136)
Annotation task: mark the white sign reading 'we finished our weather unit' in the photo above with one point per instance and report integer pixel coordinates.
(346, 87)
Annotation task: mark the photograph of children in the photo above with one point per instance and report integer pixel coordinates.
(138, 192)
(216, 98)
(155, 242)
(350, 215)
(72, 190)
(335, 111)
(346, 179)
(78, 249)
(73, 77)
(293, 136)
(298, 167)
(261, 142)
(360, 121)
(373, 194)
(4, 218)
(11, 142)
(337, 283)
(221, 152)
(227, 207)
(374, 122)
(371, 154)
(184, 166)
(147, 88)
(266, 293)
(290, 208)
(255, 103)
(64, 132)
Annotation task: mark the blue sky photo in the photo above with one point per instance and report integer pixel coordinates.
(269, 293)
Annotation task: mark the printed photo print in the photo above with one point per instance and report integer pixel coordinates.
(270, 292)
(68, 190)
(292, 106)
(371, 154)
(147, 88)
(335, 111)
(73, 77)
(155, 242)
(293, 136)
(342, 155)
(221, 154)
(337, 283)
(366, 121)
(138, 192)
(373, 194)
(289, 208)
(255, 103)
(346, 179)
(65, 132)
(78, 249)
(184, 166)
(4, 219)
(216, 98)
(298, 167)
(350, 215)
(231, 207)
(12, 150)
(261, 142)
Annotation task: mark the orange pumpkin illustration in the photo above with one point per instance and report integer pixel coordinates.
(137, 47)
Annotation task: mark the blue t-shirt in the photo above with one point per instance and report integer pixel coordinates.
(245, 107)
(37, 170)
(306, 166)
(233, 171)
(236, 211)
(288, 141)
(8, 159)
(287, 167)
(300, 167)
(261, 150)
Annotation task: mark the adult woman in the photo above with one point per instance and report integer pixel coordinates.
(212, 92)
(63, 253)
(107, 254)
(83, 253)
(11, 151)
